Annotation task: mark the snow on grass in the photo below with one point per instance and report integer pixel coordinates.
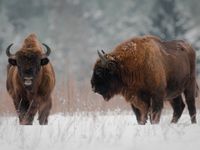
(99, 132)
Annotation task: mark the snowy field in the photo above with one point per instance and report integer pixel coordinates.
(100, 132)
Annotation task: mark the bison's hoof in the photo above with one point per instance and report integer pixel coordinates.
(141, 122)
(174, 120)
(43, 122)
(194, 121)
(25, 122)
(154, 121)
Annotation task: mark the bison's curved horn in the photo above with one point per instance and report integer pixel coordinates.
(102, 57)
(8, 50)
(103, 52)
(48, 49)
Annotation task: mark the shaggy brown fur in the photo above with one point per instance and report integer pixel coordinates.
(146, 71)
(31, 62)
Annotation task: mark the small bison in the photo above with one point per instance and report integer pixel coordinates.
(30, 81)
(147, 71)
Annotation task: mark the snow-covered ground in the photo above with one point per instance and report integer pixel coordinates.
(100, 132)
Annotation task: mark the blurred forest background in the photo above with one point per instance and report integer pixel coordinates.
(76, 29)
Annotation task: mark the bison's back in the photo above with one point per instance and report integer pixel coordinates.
(179, 60)
(177, 47)
(178, 55)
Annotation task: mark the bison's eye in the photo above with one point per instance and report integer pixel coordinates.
(12, 61)
(98, 72)
(44, 61)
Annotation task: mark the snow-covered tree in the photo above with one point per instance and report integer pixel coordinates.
(170, 20)
(76, 29)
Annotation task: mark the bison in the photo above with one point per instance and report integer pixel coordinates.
(30, 81)
(146, 71)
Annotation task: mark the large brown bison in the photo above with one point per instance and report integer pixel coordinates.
(30, 81)
(147, 71)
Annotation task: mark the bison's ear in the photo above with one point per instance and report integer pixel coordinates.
(12, 61)
(44, 61)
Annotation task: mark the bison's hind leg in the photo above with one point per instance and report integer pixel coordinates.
(44, 111)
(178, 107)
(190, 95)
(156, 108)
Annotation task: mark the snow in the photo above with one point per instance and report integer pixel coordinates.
(99, 132)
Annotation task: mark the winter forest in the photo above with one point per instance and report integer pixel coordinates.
(75, 30)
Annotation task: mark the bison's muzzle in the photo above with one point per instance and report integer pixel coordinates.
(28, 81)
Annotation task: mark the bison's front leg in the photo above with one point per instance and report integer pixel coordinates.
(140, 108)
(25, 111)
(27, 116)
(21, 107)
(141, 116)
(44, 111)
(156, 108)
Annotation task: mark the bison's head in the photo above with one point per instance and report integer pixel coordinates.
(29, 63)
(106, 78)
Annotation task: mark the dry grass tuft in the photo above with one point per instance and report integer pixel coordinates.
(70, 97)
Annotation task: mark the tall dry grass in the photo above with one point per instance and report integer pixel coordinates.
(70, 97)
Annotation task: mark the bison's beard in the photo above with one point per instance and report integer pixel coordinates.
(110, 93)
(28, 87)
(107, 96)
(105, 92)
